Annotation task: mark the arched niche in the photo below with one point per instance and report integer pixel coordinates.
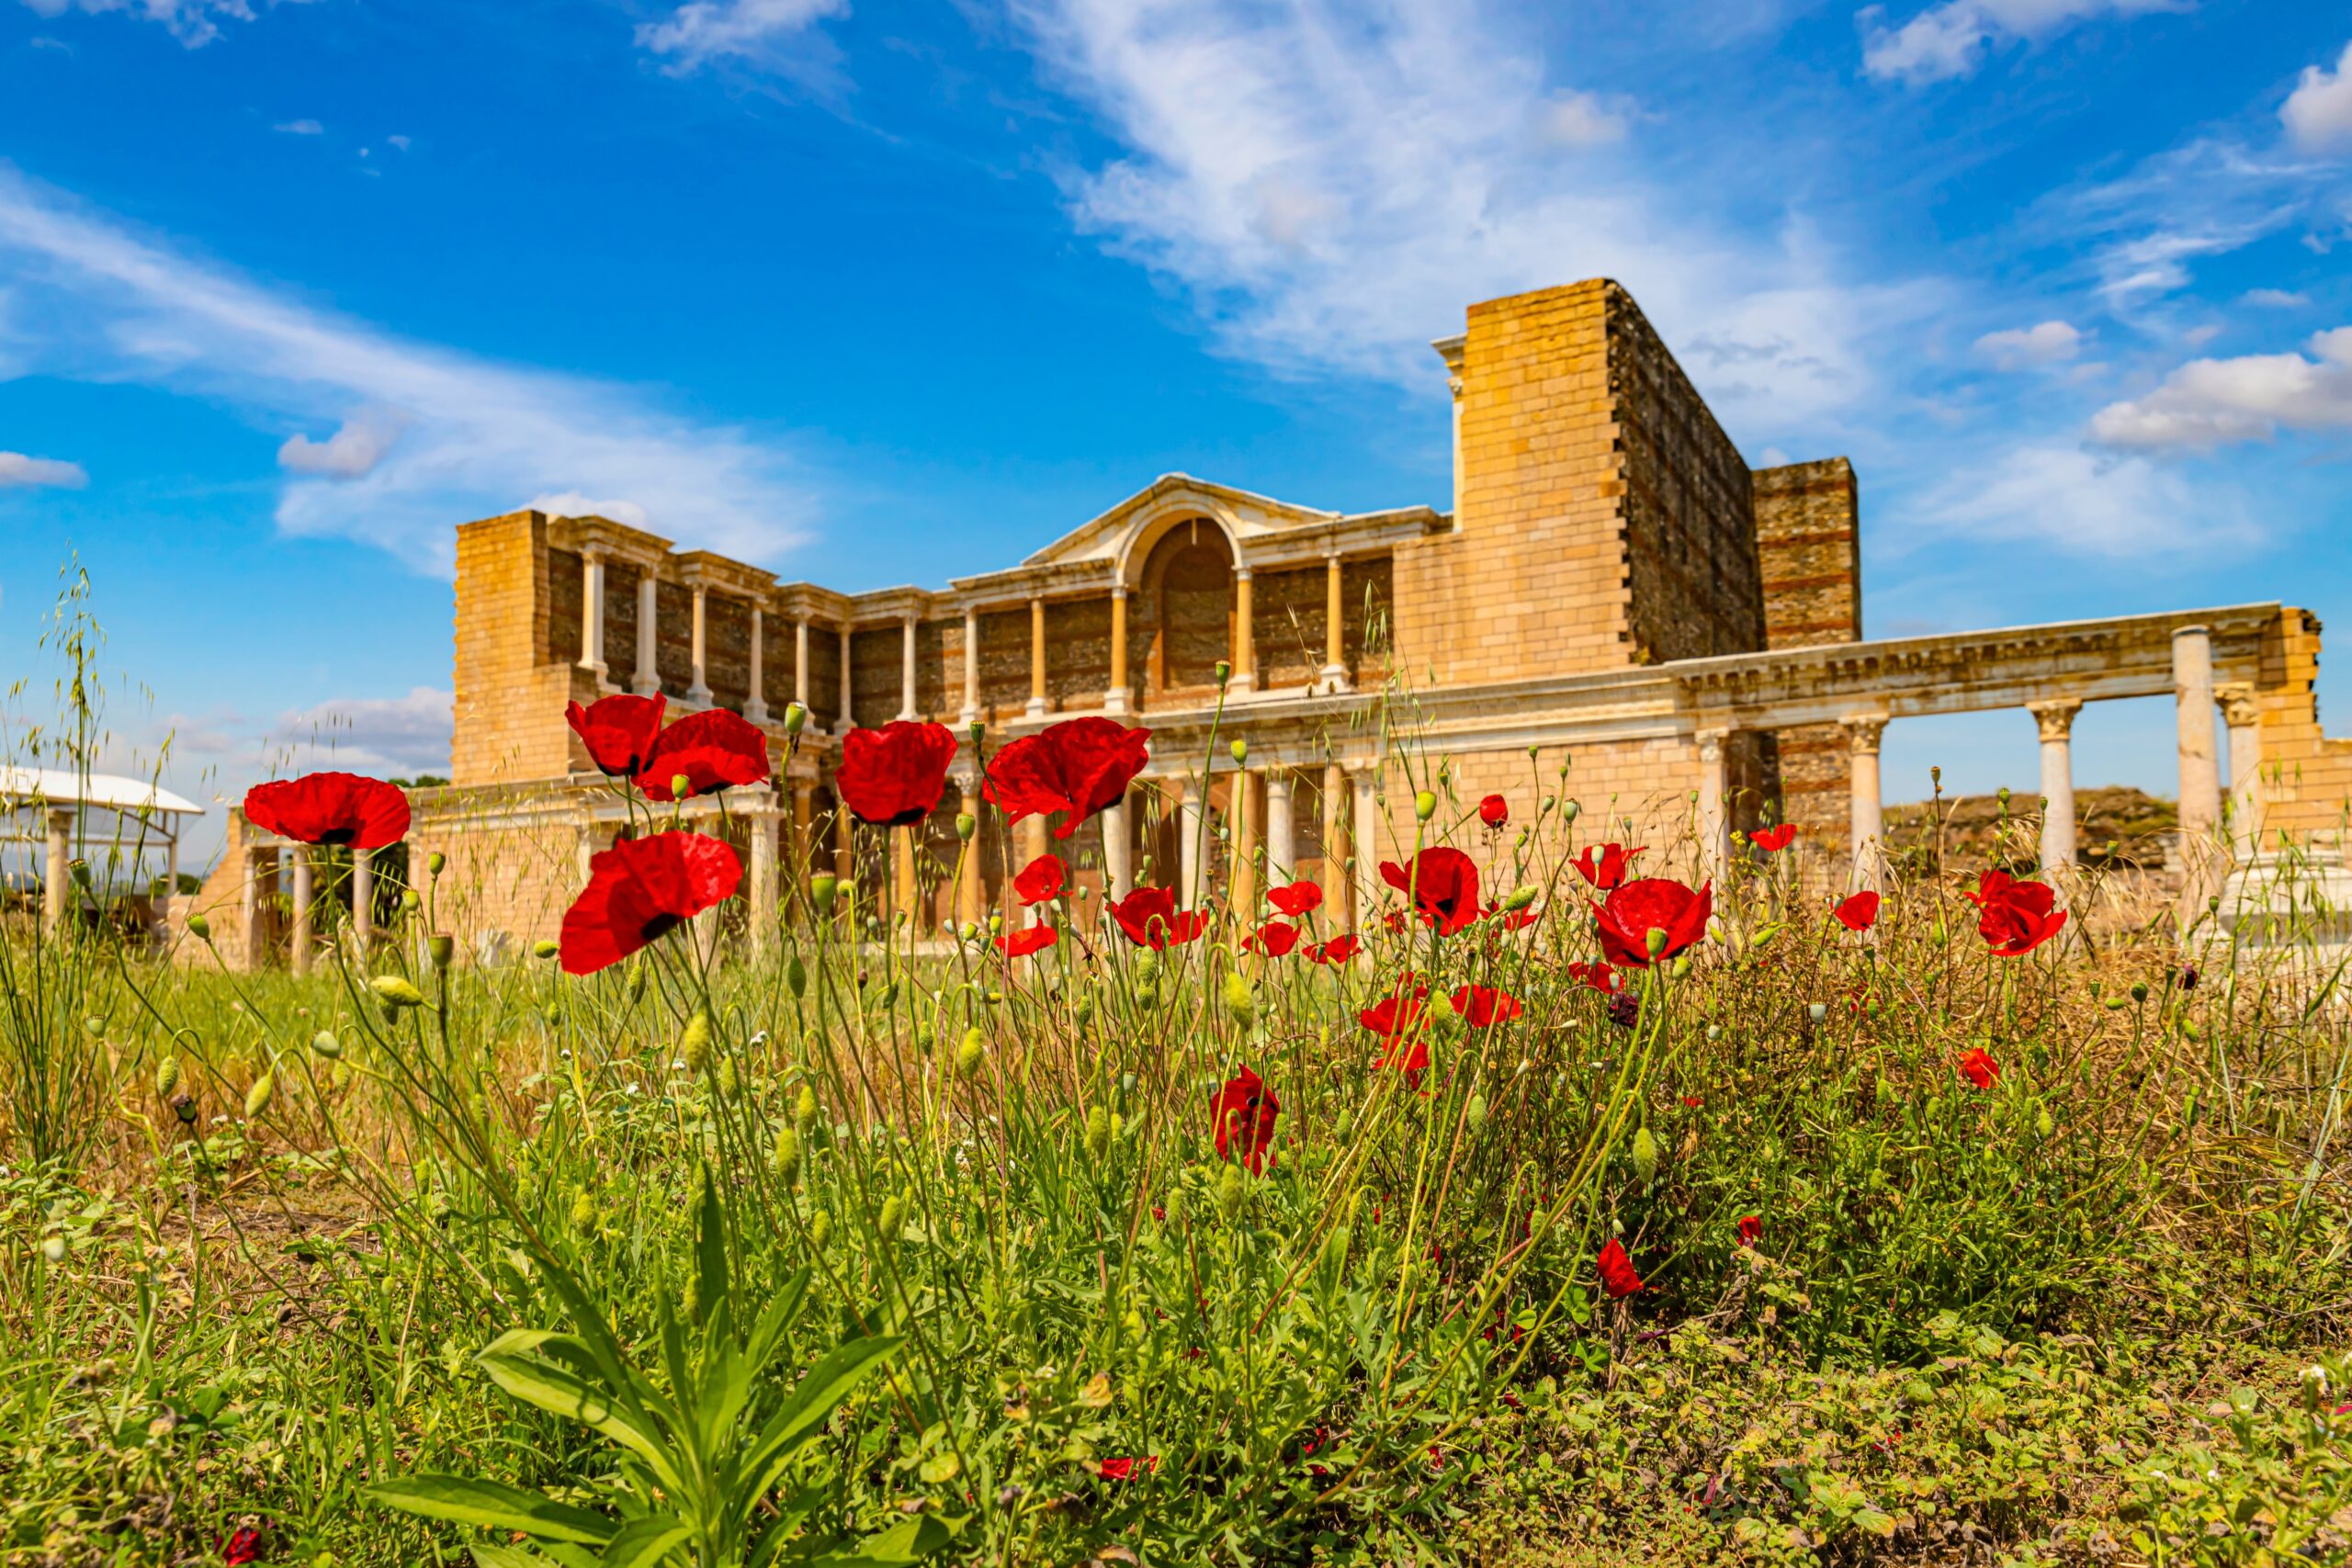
(1181, 616)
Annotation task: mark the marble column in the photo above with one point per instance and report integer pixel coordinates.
(1036, 659)
(2200, 781)
(57, 871)
(1245, 637)
(764, 822)
(848, 720)
(648, 601)
(259, 863)
(2056, 721)
(298, 946)
(1865, 808)
(755, 707)
(1364, 839)
(2242, 712)
(363, 900)
(1242, 857)
(971, 712)
(1281, 852)
(1188, 843)
(1114, 701)
(906, 626)
(971, 891)
(1714, 824)
(698, 690)
(800, 662)
(1118, 851)
(1335, 868)
(1335, 634)
(591, 614)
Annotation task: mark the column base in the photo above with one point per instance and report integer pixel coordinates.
(757, 713)
(596, 668)
(1115, 700)
(646, 686)
(1242, 686)
(969, 717)
(1036, 708)
(1332, 682)
(698, 694)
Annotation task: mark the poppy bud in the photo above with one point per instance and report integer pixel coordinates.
(1424, 806)
(786, 1158)
(1520, 898)
(326, 1044)
(167, 1077)
(2190, 1030)
(2042, 1124)
(1147, 965)
(2139, 990)
(395, 991)
(544, 948)
(1473, 1115)
(1240, 750)
(436, 862)
(258, 1097)
(1936, 777)
(1240, 1000)
(892, 1219)
(968, 1051)
(803, 1109)
(966, 826)
(184, 1107)
(2115, 1004)
(1654, 939)
(1098, 1135)
(1173, 1210)
(443, 949)
(822, 888)
(796, 718)
(1224, 673)
(583, 1210)
(694, 1045)
(1230, 1194)
(1443, 1016)
(52, 1249)
(996, 925)
(821, 1229)
(1644, 1156)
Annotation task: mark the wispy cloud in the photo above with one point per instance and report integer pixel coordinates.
(300, 127)
(2020, 348)
(18, 471)
(1331, 183)
(1952, 39)
(473, 438)
(194, 22)
(779, 35)
(2082, 503)
(2215, 403)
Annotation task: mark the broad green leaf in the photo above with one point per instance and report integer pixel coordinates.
(645, 1543)
(492, 1507)
(820, 1394)
(537, 1380)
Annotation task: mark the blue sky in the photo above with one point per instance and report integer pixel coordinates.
(877, 293)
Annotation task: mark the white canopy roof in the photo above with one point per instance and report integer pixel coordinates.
(109, 792)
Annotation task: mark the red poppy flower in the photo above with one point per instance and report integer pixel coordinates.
(1606, 866)
(1339, 950)
(893, 777)
(1022, 944)
(1599, 977)
(1617, 1275)
(1151, 919)
(1041, 879)
(243, 1547)
(1979, 1068)
(331, 808)
(638, 890)
(1298, 898)
(619, 731)
(1751, 1226)
(1125, 1469)
(1772, 840)
(1274, 939)
(1483, 1007)
(712, 751)
(1495, 811)
(1245, 1112)
(1992, 884)
(1396, 1021)
(1859, 913)
(1637, 909)
(2020, 918)
(1078, 766)
(1443, 885)
(1694, 1101)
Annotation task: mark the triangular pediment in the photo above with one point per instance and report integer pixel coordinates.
(1243, 512)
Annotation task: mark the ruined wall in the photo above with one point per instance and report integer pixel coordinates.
(1688, 517)
(2306, 776)
(1287, 619)
(1367, 597)
(517, 860)
(509, 695)
(1808, 539)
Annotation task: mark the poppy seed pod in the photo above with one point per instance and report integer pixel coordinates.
(443, 948)
(2139, 990)
(199, 928)
(1224, 673)
(257, 1098)
(436, 863)
(395, 991)
(1424, 804)
(326, 1044)
(796, 718)
(1654, 938)
(966, 826)
(410, 902)
(184, 1107)
(822, 888)
(1240, 750)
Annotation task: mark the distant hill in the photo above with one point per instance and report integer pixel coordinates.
(2119, 826)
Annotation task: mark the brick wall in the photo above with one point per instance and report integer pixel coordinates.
(1077, 652)
(2306, 776)
(1288, 619)
(1808, 537)
(508, 714)
(877, 675)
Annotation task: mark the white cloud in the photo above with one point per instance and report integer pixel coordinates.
(571, 503)
(2019, 348)
(194, 22)
(1951, 39)
(775, 32)
(2318, 113)
(2214, 402)
(17, 472)
(399, 141)
(2082, 503)
(300, 127)
(2277, 299)
(403, 735)
(1331, 183)
(102, 304)
(1581, 119)
(352, 452)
